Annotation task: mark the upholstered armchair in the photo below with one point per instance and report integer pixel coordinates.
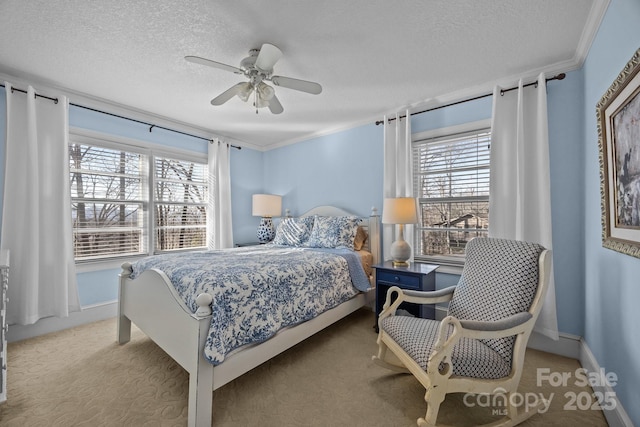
(479, 346)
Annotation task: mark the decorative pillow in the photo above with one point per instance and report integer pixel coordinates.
(333, 232)
(293, 231)
(361, 237)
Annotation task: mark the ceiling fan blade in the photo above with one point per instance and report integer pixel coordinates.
(228, 94)
(275, 106)
(214, 64)
(268, 56)
(296, 84)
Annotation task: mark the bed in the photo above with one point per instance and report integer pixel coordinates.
(149, 300)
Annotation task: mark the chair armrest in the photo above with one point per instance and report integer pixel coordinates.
(512, 325)
(508, 323)
(429, 297)
(418, 297)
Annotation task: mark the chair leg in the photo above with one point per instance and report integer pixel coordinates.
(381, 359)
(515, 416)
(434, 397)
(512, 410)
(382, 350)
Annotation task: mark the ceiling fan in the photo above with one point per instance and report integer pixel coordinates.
(258, 68)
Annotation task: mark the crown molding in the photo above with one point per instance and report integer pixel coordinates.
(596, 15)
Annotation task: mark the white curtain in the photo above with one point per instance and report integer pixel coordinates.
(36, 209)
(219, 225)
(398, 172)
(520, 196)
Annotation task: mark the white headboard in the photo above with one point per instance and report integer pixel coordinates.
(371, 224)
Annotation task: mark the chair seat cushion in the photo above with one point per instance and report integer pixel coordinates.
(470, 357)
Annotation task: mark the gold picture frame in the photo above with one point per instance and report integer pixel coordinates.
(618, 122)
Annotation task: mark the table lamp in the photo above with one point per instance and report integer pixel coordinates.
(266, 206)
(401, 211)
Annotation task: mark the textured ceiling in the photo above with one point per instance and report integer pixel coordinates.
(371, 57)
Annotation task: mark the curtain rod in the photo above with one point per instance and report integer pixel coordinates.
(151, 125)
(560, 76)
(37, 95)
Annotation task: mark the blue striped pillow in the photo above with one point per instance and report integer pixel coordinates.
(293, 231)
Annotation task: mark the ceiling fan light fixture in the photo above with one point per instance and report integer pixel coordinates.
(265, 91)
(258, 68)
(245, 91)
(261, 102)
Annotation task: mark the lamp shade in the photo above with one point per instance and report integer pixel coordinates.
(399, 210)
(266, 205)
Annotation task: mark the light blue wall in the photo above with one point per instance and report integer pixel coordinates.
(98, 287)
(566, 142)
(341, 169)
(111, 125)
(612, 279)
(454, 115)
(247, 172)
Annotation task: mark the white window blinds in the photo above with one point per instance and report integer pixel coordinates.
(451, 181)
(180, 197)
(108, 200)
(127, 202)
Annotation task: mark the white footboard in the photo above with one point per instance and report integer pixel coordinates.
(152, 304)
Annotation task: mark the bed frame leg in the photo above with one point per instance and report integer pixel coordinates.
(124, 324)
(201, 395)
(124, 329)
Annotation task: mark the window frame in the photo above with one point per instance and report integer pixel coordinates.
(450, 264)
(151, 151)
(160, 154)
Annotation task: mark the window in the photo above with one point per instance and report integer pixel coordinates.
(107, 201)
(115, 214)
(451, 181)
(180, 204)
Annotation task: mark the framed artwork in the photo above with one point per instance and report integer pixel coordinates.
(618, 120)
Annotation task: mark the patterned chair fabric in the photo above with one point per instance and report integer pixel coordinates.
(470, 358)
(499, 279)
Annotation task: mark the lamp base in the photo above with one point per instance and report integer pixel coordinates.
(266, 231)
(400, 252)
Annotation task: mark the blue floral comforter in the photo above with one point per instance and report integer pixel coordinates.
(259, 290)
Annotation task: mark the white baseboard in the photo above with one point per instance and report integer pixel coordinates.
(616, 417)
(53, 324)
(568, 345)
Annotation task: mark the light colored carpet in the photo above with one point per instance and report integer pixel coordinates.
(81, 377)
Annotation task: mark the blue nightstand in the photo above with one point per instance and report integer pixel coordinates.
(418, 277)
